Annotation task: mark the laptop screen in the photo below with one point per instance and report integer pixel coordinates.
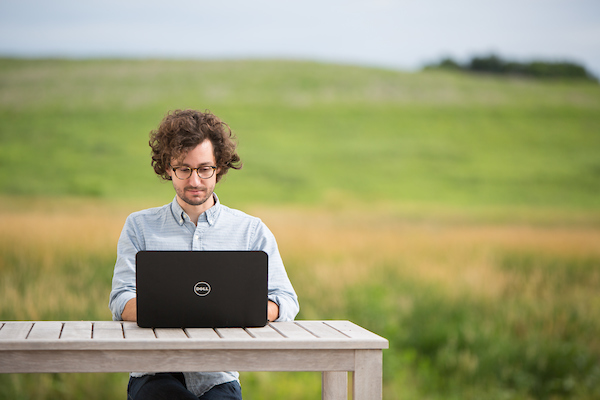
(201, 289)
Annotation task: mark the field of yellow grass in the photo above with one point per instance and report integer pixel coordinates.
(49, 245)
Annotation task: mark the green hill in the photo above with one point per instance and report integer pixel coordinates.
(309, 133)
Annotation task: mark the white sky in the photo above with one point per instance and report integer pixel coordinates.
(401, 34)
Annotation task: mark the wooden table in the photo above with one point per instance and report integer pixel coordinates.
(333, 347)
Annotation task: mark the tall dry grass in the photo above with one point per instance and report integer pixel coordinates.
(49, 251)
(345, 248)
(55, 262)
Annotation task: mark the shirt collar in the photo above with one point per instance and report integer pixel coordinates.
(211, 214)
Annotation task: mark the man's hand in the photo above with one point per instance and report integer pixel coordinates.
(272, 311)
(130, 311)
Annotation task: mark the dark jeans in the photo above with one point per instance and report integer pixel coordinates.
(172, 386)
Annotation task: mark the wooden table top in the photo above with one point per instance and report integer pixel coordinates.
(118, 335)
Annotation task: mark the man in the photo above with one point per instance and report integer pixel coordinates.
(194, 150)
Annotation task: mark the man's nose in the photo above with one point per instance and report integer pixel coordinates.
(194, 178)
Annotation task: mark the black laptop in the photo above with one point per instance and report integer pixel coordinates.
(201, 289)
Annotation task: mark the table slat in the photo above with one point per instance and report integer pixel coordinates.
(77, 330)
(352, 330)
(266, 332)
(134, 332)
(292, 330)
(322, 330)
(45, 330)
(106, 330)
(15, 330)
(233, 333)
(170, 333)
(202, 334)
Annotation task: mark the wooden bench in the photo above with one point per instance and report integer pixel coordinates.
(333, 347)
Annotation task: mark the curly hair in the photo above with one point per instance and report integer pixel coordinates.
(182, 130)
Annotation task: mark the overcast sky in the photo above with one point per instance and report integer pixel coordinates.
(400, 34)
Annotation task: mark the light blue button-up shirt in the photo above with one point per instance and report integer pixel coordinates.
(219, 228)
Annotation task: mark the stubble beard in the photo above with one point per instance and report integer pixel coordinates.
(195, 200)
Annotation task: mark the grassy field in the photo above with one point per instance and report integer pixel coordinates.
(309, 133)
(458, 216)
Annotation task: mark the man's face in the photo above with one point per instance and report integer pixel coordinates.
(195, 191)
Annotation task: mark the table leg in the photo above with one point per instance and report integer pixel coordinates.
(335, 385)
(368, 375)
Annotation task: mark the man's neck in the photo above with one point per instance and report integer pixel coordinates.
(194, 212)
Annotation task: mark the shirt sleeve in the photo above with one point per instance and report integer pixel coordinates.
(280, 289)
(123, 283)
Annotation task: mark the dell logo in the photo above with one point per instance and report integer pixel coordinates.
(202, 288)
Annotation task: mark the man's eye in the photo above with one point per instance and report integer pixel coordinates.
(184, 169)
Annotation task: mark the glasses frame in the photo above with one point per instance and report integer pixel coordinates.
(192, 170)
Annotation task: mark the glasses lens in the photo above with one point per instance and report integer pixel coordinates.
(206, 172)
(183, 172)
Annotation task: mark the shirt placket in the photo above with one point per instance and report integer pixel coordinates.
(197, 238)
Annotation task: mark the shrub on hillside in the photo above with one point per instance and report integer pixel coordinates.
(493, 64)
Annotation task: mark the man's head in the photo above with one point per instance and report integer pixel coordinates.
(183, 130)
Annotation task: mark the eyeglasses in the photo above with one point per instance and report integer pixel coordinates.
(204, 172)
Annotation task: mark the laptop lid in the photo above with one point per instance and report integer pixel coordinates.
(201, 289)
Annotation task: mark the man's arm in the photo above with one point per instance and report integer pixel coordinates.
(272, 311)
(130, 311)
(124, 280)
